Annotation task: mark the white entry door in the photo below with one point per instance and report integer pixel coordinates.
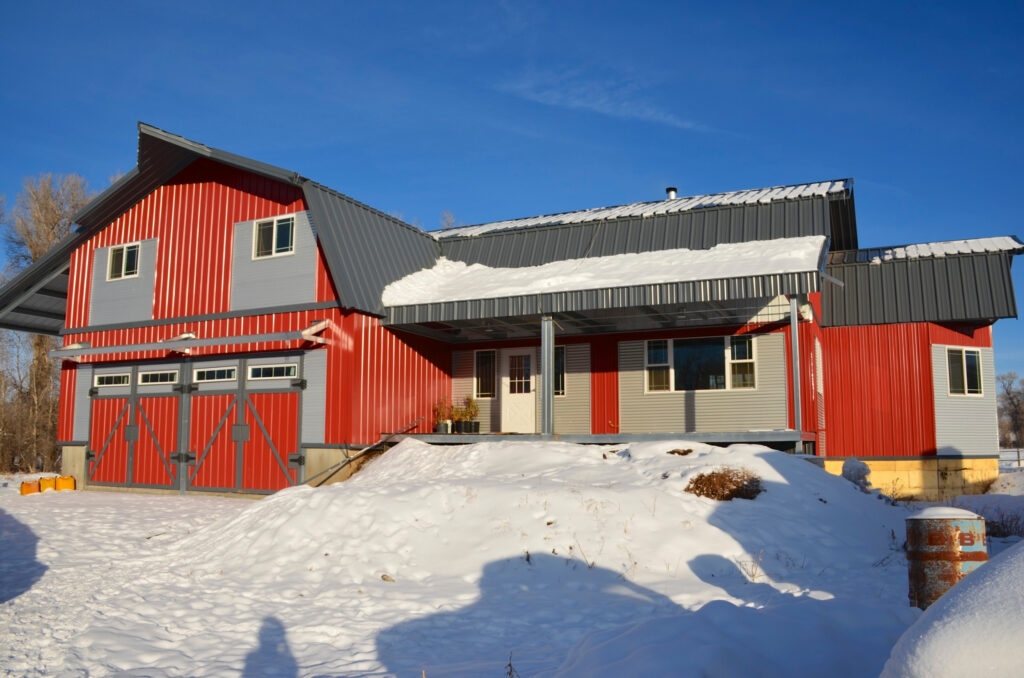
(518, 408)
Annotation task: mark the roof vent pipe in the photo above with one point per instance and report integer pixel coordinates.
(670, 192)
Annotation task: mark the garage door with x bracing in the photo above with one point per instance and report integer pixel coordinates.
(203, 425)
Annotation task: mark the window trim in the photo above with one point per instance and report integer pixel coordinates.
(158, 383)
(126, 375)
(963, 362)
(197, 370)
(554, 379)
(726, 355)
(124, 247)
(295, 371)
(273, 237)
(494, 374)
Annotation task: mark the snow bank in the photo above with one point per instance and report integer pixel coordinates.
(973, 630)
(453, 280)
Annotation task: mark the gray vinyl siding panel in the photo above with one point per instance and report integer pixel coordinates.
(956, 287)
(314, 398)
(463, 368)
(124, 299)
(273, 281)
(80, 422)
(704, 411)
(365, 250)
(572, 411)
(695, 229)
(965, 425)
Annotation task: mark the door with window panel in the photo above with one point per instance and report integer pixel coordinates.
(518, 398)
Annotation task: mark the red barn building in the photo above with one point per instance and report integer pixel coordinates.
(231, 326)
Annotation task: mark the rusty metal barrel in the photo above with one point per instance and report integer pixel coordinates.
(944, 545)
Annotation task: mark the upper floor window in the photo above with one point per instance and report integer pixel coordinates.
(964, 371)
(273, 237)
(124, 262)
(706, 364)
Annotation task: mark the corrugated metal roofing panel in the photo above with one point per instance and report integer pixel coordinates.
(922, 250)
(957, 287)
(658, 207)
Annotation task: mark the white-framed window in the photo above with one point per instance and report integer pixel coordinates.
(214, 374)
(101, 380)
(559, 370)
(700, 364)
(484, 380)
(271, 371)
(964, 371)
(519, 374)
(273, 237)
(162, 377)
(123, 262)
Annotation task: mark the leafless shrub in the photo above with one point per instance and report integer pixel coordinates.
(681, 452)
(1004, 524)
(725, 484)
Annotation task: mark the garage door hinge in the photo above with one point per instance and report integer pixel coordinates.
(187, 457)
(90, 455)
(93, 391)
(296, 459)
(185, 388)
(299, 383)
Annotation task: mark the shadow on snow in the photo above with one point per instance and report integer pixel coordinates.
(272, 657)
(19, 569)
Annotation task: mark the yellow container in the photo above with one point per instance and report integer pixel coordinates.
(47, 483)
(29, 487)
(66, 483)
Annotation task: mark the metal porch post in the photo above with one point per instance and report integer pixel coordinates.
(547, 371)
(794, 322)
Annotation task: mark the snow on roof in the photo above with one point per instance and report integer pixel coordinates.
(876, 255)
(646, 209)
(456, 280)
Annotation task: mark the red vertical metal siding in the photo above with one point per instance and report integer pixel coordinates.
(218, 466)
(110, 464)
(379, 380)
(279, 413)
(151, 464)
(66, 407)
(604, 385)
(192, 216)
(879, 394)
(960, 335)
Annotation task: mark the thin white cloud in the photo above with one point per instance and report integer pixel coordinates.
(617, 99)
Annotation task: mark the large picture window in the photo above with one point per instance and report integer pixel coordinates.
(705, 364)
(124, 262)
(273, 237)
(483, 382)
(964, 371)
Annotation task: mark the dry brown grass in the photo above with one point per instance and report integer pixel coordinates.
(680, 451)
(726, 484)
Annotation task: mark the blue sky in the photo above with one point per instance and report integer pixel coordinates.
(511, 109)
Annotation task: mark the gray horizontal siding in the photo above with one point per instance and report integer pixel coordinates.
(723, 289)
(124, 299)
(704, 411)
(961, 287)
(463, 366)
(80, 422)
(572, 411)
(695, 229)
(965, 425)
(273, 281)
(314, 398)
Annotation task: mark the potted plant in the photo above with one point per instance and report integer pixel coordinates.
(471, 410)
(458, 419)
(443, 416)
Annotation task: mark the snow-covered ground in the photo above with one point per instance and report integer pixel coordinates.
(574, 560)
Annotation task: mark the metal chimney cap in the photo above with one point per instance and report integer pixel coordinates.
(670, 191)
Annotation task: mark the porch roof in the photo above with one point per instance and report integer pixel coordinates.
(727, 284)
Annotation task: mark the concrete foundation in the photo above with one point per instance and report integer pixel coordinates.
(72, 463)
(926, 478)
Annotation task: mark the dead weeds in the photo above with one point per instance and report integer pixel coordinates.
(726, 484)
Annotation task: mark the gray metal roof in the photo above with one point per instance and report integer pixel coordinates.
(960, 287)
(757, 196)
(694, 229)
(875, 255)
(633, 296)
(365, 249)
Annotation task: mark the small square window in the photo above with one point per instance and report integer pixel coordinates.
(964, 371)
(123, 262)
(274, 237)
